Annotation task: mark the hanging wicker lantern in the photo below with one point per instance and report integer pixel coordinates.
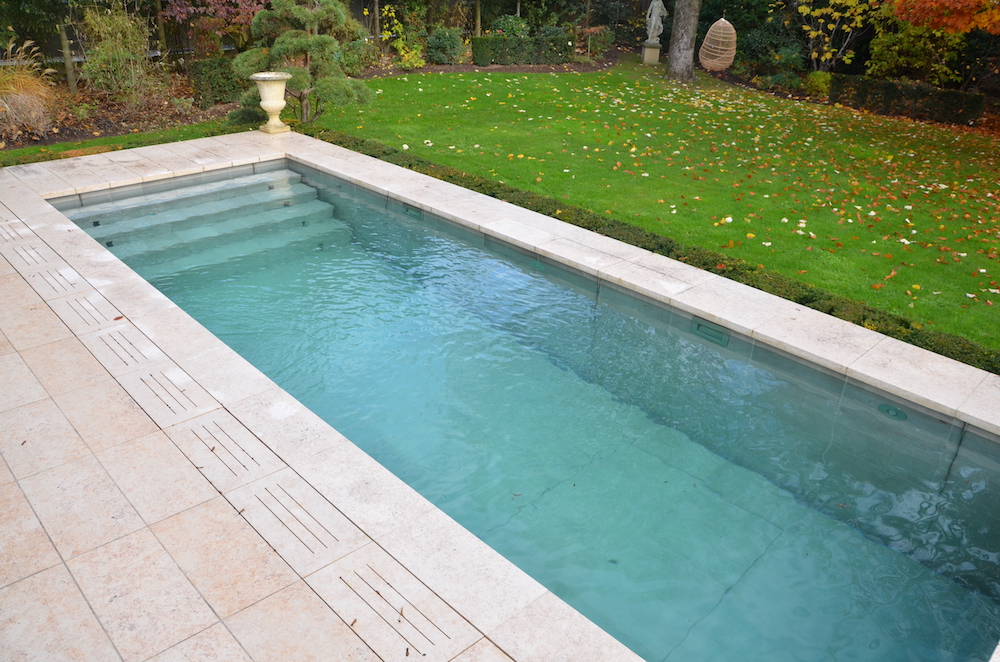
(719, 48)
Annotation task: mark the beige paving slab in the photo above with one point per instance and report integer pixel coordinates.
(19, 200)
(517, 234)
(5, 267)
(224, 450)
(287, 427)
(5, 475)
(45, 618)
(144, 601)
(5, 348)
(226, 375)
(41, 180)
(30, 326)
(982, 408)
(174, 331)
(6, 214)
(77, 174)
(215, 644)
(193, 152)
(549, 630)
(229, 563)
(655, 285)
(86, 312)
(24, 546)
(30, 256)
(295, 624)
(390, 609)
(122, 348)
(167, 394)
(730, 304)
(174, 163)
(297, 521)
(156, 478)
(57, 281)
(816, 337)
(12, 231)
(15, 292)
(80, 506)
(20, 385)
(938, 383)
(105, 415)
(36, 437)
(138, 164)
(465, 572)
(365, 491)
(64, 365)
(483, 651)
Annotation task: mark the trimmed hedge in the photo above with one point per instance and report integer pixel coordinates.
(862, 314)
(214, 82)
(444, 46)
(497, 49)
(916, 100)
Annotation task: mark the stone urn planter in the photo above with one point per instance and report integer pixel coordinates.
(272, 98)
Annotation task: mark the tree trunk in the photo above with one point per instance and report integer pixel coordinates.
(161, 32)
(479, 24)
(67, 58)
(680, 65)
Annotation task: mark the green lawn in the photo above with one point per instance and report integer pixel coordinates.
(902, 215)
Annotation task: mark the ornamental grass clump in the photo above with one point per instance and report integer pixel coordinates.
(301, 38)
(25, 92)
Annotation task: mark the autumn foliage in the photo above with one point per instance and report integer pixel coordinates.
(952, 15)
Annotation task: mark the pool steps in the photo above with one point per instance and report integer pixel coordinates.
(256, 214)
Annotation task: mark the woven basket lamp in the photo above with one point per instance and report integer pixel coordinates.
(719, 48)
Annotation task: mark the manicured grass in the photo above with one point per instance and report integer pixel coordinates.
(901, 215)
(108, 143)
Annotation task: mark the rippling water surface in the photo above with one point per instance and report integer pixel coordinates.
(563, 433)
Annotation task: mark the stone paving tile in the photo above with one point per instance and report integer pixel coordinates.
(5, 347)
(297, 521)
(549, 630)
(45, 618)
(142, 598)
(31, 326)
(483, 651)
(21, 387)
(57, 280)
(5, 475)
(390, 609)
(155, 476)
(15, 292)
(229, 563)
(295, 624)
(286, 425)
(226, 453)
(29, 256)
(215, 644)
(167, 394)
(65, 365)
(80, 506)
(478, 582)
(105, 415)
(84, 312)
(36, 437)
(122, 349)
(24, 546)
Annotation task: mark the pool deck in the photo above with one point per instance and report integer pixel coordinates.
(162, 499)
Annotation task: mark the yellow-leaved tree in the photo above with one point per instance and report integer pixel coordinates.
(830, 27)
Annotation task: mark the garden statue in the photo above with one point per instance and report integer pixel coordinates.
(654, 21)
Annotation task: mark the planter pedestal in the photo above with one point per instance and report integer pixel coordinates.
(272, 98)
(650, 52)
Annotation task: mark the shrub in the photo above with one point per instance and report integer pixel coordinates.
(511, 26)
(493, 49)
(915, 100)
(444, 46)
(118, 66)
(214, 82)
(356, 56)
(596, 40)
(25, 91)
(817, 84)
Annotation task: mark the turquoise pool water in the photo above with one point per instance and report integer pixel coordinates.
(695, 503)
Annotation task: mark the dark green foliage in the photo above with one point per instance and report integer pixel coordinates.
(511, 26)
(444, 46)
(916, 100)
(494, 49)
(214, 82)
(356, 56)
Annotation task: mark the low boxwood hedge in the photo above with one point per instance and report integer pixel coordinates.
(916, 100)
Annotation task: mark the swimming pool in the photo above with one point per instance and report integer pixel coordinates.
(628, 425)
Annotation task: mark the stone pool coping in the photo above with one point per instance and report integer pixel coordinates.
(114, 377)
